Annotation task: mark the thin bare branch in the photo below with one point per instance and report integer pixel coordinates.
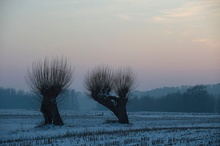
(99, 81)
(50, 77)
(125, 80)
(102, 80)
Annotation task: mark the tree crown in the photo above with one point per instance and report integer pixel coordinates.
(50, 77)
(103, 80)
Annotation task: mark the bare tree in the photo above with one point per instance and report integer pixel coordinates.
(49, 79)
(111, 88)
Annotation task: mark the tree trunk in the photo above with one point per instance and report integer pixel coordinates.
(118, 108)
(56, 115)
(50, 112)
(122, 114)
(46, 110)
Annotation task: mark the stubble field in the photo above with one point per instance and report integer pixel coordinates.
(23, 127)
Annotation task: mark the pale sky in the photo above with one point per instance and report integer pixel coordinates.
(166, 42)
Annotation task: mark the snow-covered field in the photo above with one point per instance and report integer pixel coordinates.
(23, 127)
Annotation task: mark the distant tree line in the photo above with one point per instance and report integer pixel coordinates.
(195, 99)
(14, 99)
(19, 99)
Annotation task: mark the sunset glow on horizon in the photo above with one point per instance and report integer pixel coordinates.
(166, 43)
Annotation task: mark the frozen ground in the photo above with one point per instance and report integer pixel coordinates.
(23, 127)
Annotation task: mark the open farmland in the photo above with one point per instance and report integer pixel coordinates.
(22, 127)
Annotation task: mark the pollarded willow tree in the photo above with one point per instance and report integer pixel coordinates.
(49, 79)
(111, 89)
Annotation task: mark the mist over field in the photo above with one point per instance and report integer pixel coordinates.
(163, 99)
